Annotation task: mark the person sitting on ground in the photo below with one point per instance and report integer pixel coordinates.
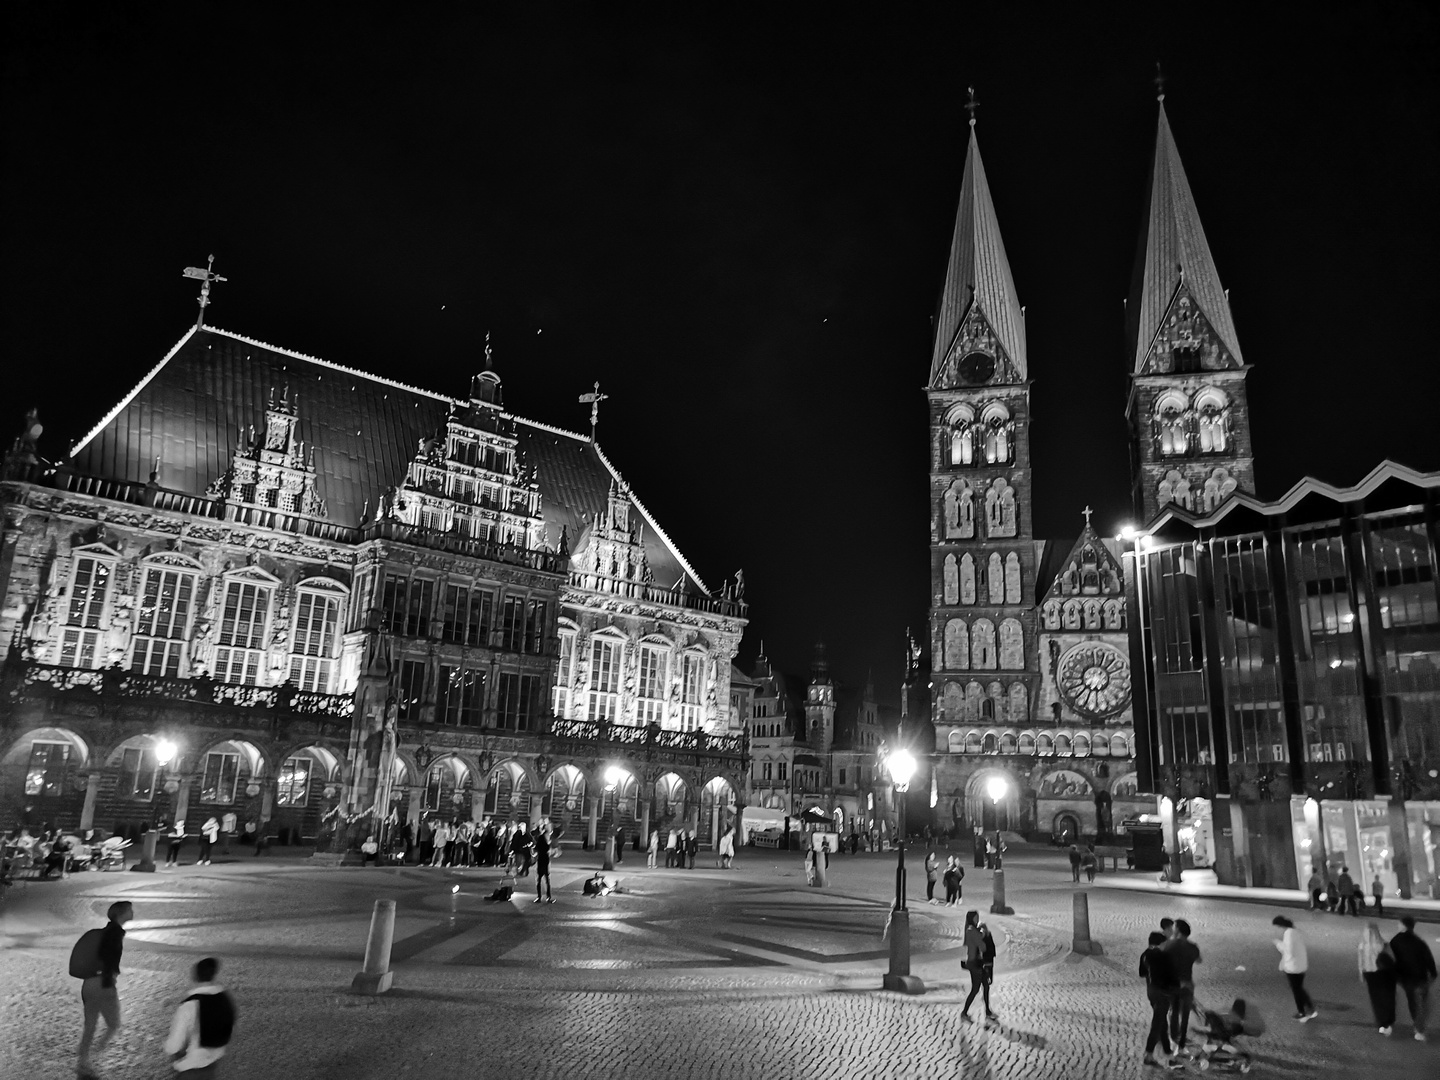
(599, 885)
(369, 852)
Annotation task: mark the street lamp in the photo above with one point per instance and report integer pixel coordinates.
(613, 775)
(902, 767)
(164, 751)
(997, 787)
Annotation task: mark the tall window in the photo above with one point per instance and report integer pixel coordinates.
(392, 606)
(535, 627)
(417, 611)
(1170, 425)
(565, 674)
(165, 601)
(512, 624)
(691, 666)
(411, 690)
(49, 769)
(604, 678)
(462, 696)
(240, 651)
(481, 618)
(452, 628)
(519, 700)
(292, 787)
(312, 646)
(650, 692)
(221, 773)
(138, 772)
(80, 641)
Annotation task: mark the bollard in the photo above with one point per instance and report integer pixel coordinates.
(997, 906)
(609, 863)
(376, 976)
(146, 865)
(1081, 942)
(822, 875)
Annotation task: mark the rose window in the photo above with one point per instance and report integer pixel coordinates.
(1094, 679)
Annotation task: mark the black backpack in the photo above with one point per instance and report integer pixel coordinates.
(987, 955)
(217, 1018)
(85, 956)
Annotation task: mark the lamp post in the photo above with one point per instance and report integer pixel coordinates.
(997, 787)
(613, 776)
(902, 767)
(164, 752)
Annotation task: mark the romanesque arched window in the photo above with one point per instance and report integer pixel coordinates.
(1071, 619)
(974, 694)
(1012, 645)
(1212, 410)
(952, 580)
(1020, 709)
(973, 742)
(1218, 486)
(1175, 488)
(959, 511)
(957, 645)
(999, 432)
(1012, 578)
(952, 701)
(1007, 742)
(961, 421)
(1050, 615)
(1114, 615)
(1000, 509)
(967, 579)
(982, 645)
(995, 578)
(1170, 422)
(1092, 614)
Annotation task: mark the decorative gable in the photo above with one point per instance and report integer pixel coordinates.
(271, 469)
(1187, 341)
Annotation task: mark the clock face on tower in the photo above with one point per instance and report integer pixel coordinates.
(977, 368)
(1094, 679)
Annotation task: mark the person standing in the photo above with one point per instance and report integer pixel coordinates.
(1088, 860)
(1294, 962)
(542, 866)
(175, 835)
(979, 962)
(1075, 863)
(1414, 971)
(1156, 970)
(727, 849)
(932, 875)
(209, 833)
(692, 848)
(440, 838)
(1378, 891)
(370, 851)
(100, 992)
(671, 848)
(1346, 888)
(228, 824)
(525, 849)
(203, 1024)
(1183, 956)
(1377, 971)
(1315, 886)
(654, 853)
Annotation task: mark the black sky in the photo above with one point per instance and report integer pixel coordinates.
(736, 218)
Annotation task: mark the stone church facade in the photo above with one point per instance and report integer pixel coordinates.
(1030, 655)
(343, 601)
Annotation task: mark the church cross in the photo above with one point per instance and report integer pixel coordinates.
(1087, 512)
(971, 104)
(593, 400)
(205, 276)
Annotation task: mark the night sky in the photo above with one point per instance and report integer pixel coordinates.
(736, 218)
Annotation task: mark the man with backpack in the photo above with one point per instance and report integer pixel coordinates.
(203, 1024)
(96, 960)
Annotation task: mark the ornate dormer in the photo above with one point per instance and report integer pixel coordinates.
(272, 468)
(612, 550)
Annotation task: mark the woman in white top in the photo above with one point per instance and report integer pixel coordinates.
(1377, 970)
(1294, 962)
(654, 848)
(209, 833)
(727, 849)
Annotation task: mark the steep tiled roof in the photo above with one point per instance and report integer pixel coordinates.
(978, 263)
(1175, 245)
(189, 411)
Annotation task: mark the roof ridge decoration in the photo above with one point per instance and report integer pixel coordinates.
(650, 520)
(1178, 268)
(978, 275)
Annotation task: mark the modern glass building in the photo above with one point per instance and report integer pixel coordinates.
(1289, 714)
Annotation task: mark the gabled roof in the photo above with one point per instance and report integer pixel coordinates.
(978, 273)
(1175, 251)
(188, 412)
(1076, 560)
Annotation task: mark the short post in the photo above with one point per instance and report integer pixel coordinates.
(146, 865)
(1081, 942)
(997, 906)
(375, 977)
(609, 863)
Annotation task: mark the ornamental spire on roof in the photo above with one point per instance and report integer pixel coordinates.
(1177, 259)
(978, 273)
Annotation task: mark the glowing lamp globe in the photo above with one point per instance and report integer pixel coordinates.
(996, 787)
(902, 767)
(165, 751)
(1128, 533)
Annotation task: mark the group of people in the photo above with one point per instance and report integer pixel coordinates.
(203, 1022)
(1083, 860)
(1168, 967)
(470, 843)
(48, 852)
(1343, 894)
(951, 878)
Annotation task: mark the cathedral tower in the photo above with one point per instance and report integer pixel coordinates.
(982, 554)
(1188, 414)
(820, 705)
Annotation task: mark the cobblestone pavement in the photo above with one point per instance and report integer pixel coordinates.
(687, 974)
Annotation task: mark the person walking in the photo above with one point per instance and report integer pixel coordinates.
(1156, 970)
(96, 959)
(979, 962)
(1377, 972)
(1378, 891)
(727, 849)
(1183, 956)
(203, 1024)
(1075, 863)
(209, 833)
(176, 836)
(1315, 886)
(1346, 886)
(1294, 962)
(542, 866)
(654, 853)
(1414, 971)
(1088, 860)
(932, 875)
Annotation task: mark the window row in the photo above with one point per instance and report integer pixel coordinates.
(778, 770)
(455, 695)
(1043, 745)
(983, 436)
(1002, 579)
(1203, 496)
(1181, 425)
(958, 510)
(466, 615)
(1083, 614)
(973, 703)
(669, 688)
(975, 645)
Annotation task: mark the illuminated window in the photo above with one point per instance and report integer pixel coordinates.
(293, 786)
(604, 678)
(49, 769)
(217, 784)
(80, 639)
(166, 598)
(650, 690)
(240, 649)
(314, 639)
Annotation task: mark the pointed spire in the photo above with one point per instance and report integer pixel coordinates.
(1176, 254)
(978, 274)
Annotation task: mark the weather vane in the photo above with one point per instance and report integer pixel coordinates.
(205, 276)
(489, 356)
(1159, 82)
(971, 104)
(593, 400)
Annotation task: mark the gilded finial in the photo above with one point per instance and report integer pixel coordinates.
(1159, 82)
(971, 104)
(488, 352)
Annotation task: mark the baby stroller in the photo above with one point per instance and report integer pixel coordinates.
(110, 853)
(1221, 1048)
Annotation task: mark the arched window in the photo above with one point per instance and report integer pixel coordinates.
(951, 580)
(1169, 424)
(982, 645)
(1118, 746)
(956, 742)
(1213, 412)
(995, 578)
(987, 715)
(1050, 615)
(1012, 645)
(1062, 745)
(1114, 615)
(952, 701)
(995, 694)
(1092, 614)
(1027, 743)
(967, 579)
(1012, 578)
(1000, 509)
(957, 645)
(1174, 488)
(1007, 743)
(973, 743)
(1072, 615)
(1081, 746)
(992, 745)
(999, 434)
(974, 694)
(1045, 745)
(961, 420)
(1019, 704)
(959, 511)
(1218, 486)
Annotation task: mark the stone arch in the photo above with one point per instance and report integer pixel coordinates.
(674, 796)
(509, 788)
(221, 782)
(718, 806)
(42, 769)
(952, 702)
(979, 807)
(1012, 645)
(951, 581)
(955, 741)
(982, 645)
(957, 645)
(974, 742)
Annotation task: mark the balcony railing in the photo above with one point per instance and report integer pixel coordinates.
(649, 735)
(649, 592)
(126, 685)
